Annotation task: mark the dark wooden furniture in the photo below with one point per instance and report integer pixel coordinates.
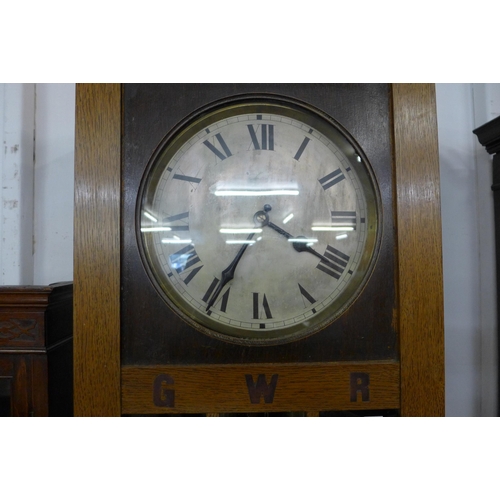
(104, 386)
(36, 350)
(489, 137)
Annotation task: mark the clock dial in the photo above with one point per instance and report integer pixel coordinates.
(259, 221)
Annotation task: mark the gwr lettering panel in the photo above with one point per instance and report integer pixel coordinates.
(248, 388)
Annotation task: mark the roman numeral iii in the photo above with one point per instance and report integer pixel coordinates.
(344, 218)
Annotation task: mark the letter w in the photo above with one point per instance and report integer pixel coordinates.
(261, 388)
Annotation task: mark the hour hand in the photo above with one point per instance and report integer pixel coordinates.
(228, 274)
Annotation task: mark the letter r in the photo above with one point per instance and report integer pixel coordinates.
(360, 384)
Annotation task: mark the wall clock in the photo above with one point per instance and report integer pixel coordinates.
(257, 253)
(219, 203)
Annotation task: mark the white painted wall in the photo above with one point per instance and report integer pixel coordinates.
(17, 124)
(468, 248)
(54, 172)
(36, 244)
(36, 168)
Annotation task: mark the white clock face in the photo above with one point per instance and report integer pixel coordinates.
(259, 222)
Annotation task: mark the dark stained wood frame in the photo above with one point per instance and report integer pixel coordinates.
(97, 369)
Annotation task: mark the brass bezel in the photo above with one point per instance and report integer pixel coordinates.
(290, 108)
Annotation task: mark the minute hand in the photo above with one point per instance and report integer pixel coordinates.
(228, 273)
(299, 246)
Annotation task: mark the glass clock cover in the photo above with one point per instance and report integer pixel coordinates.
(259, 220)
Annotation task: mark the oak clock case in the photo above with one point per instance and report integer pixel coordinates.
(218, 206)
(258, 228)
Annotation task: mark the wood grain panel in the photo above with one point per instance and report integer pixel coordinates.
(419, 250)
(97, 250)
(262, 387)
(365, 111)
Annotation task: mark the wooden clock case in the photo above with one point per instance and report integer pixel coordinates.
(116, 370)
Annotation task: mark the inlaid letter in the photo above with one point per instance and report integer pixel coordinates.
(360, 384)
(163, 395)
(260, 388)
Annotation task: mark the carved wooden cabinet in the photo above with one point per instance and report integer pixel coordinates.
(36, 350)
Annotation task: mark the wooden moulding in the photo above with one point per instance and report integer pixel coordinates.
(97, 250)
(97, 256)
(418, 209)
(489, 135)
(35, 317)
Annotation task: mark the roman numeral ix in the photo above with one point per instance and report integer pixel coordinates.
(183, 217)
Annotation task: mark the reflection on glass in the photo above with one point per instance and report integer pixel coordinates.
(174, 240)
(240, 231)
(303, 240)
(157, 229)
(332, 228)
(150, 217)
(287, 218)
(240, 242)
(269, 192)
